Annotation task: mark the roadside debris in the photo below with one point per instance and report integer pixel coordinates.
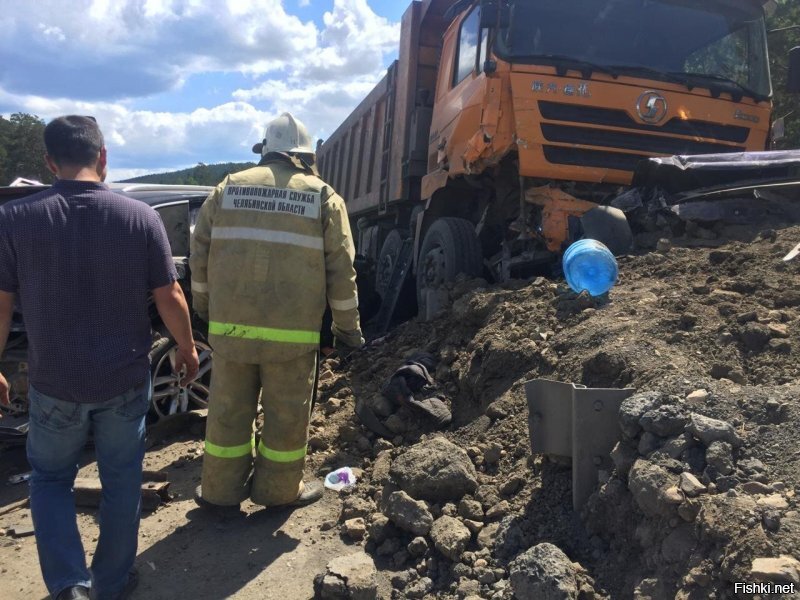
(340, 479)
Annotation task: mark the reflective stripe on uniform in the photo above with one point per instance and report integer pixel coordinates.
(266, 334)
(230, 451)
(280, 456)
(199, 288)
(267, 235)
(344, 304)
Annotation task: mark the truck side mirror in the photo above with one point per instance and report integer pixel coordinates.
(494, 13)
(793, 81)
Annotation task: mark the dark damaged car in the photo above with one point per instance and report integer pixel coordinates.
(178, 207)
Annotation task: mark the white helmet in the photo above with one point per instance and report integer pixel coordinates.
(285, 134)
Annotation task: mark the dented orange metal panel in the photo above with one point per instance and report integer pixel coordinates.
(557, 207)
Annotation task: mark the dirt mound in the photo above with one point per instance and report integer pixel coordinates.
(713, 331)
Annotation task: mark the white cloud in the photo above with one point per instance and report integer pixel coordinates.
(102, 56)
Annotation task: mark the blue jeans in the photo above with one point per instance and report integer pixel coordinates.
(58, 432)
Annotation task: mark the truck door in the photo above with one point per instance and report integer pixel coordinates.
(457, 113)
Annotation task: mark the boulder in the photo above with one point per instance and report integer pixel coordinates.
(709, 430)
(783, 569)
(649, 485)
(450, 537)
(436, 470)
(409, 514)
(353, 577)
(544, 572)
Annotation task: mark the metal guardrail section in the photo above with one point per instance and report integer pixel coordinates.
(565, 419)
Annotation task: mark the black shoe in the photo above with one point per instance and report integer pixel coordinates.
(74, 592)
(219, 509)
(133, 581)
(311, 493)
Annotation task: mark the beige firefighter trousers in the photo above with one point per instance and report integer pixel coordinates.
(231, 453)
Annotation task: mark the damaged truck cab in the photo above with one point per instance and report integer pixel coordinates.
(506, 126)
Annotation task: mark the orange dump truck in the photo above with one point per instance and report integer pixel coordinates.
(505, 126)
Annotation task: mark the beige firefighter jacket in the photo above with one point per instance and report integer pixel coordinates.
(270, 246)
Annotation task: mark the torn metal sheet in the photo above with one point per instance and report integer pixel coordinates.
(571, 420)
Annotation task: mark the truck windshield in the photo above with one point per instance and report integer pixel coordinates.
(701, 44)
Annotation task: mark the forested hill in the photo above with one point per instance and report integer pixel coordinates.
(202, 174)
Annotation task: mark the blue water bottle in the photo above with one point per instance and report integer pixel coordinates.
(589, 265)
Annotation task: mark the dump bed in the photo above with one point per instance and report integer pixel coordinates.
(378, 155)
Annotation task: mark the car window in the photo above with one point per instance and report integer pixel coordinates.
(176, 221)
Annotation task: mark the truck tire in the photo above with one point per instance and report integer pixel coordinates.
(609, 226)
(450, 247)
(390, 252)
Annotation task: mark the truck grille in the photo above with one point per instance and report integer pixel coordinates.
(610, 117)
(575, 129)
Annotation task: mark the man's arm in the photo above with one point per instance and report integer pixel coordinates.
(171, 305)
(6, 313)
(198, 250)
(340, 274)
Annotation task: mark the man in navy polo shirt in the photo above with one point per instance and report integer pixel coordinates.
(82, 261)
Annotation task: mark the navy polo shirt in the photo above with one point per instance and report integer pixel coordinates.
(82, 261)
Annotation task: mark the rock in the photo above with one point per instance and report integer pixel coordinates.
(756, 487)
(697, 397)
(747, 317)
(396, 424)
(648, 483)
(544, 572)
(419, 589)
(754, 336)
(498, 511)
(778, 330)
(690, 485)
(771, 520)
(689, 510)
(417, 547)
(664, 421)
(623, 457)
(380, 529)
(484, 575)
(663, 245)
(389, 548)
(355, 506)
(470, 509)
(719, 455)
(403, 578)
(400, 558)
(672, 495)
(353, 577)
(473, 526)
(649, 443)
(355, 529)
(783, 569)
(497, 410)
(409, 514)
(773, 501)
(493, 453)
(488, 535)
(435, 470)
(381, 467)
(633, 408)
(512, 485)
(450, 537)
(781, 346)
(381, 445)
(709, 430)
(349, 433)
(468, 587)
(676, 446)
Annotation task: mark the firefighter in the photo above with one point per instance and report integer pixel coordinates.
(271, 246)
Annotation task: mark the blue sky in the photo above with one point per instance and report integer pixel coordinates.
(177, 82)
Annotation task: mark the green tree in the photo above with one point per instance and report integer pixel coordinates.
(783, 37)
(22, 149)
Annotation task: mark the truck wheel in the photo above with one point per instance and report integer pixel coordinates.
(450, 247)
(609, 226)
(390, 253)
